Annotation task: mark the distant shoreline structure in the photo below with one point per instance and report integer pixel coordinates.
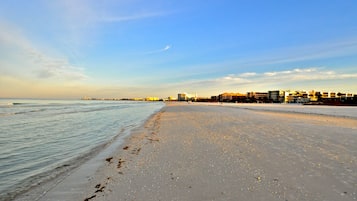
(279, 96)
(275, 96)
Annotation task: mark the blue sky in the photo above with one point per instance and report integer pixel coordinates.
(138, 48)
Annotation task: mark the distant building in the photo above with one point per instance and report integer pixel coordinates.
(232, 97)
(152, 99)
(332, 95)
(314, 95)
(170, 98)
(214, 98)
(186, 97)
(296, 97)
(327, 96)
(258, 96)
(181, 97)
(276, 96)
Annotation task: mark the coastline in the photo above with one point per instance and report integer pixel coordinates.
(72, 182)
(200, 152)
(208, 152)
(43, 140)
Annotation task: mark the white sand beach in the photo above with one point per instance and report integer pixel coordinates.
(196, 152)
(208, 152)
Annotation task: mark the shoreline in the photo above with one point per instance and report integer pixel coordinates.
(203, 152)
(44, 139)
(71, 185)
(67, 185)
(134, 144)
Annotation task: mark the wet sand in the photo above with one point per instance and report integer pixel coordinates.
(197, 152)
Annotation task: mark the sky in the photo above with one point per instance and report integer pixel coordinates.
(140, 48)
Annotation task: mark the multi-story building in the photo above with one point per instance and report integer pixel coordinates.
(276, 96)
(186, 97)
(214, 98)
(231, 97)
(182, 97)
(324, 95)
(258, 96)
(332, 95)
(296, 97)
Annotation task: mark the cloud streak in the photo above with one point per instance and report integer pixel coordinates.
(133, 17)
(167, 47)
(265, 81)
(296, 56)
(330, 49)
(43, 65)
(297, 74)
(164, 49)
(55, 68)
(86, 12)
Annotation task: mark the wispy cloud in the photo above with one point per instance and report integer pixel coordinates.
(266, 80)
(167, 47)
(285, 55)
(288, 56)
(297, 74)
(164, 49)
(42, 65)
(59, 68)
(85, 20)
(139, 16)
(248, 74)
(84, 12)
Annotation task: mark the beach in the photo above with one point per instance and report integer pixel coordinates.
(211, 152)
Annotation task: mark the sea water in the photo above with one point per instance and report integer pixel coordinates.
(39, 139)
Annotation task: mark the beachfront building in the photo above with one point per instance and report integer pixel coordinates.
(260, 97)
(314, 95)
(321, 96)
(152, 99)
(276, 96)
(332, 94)
(181, 97)
(232, 97)
(186, 97)
(289, 96)
(332, 98)
(214, 98)
(171, 98)
(349, 95)
(296, 97)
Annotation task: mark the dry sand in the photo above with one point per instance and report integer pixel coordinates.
(196, 152)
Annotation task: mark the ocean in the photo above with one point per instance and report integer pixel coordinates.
(41, 139)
